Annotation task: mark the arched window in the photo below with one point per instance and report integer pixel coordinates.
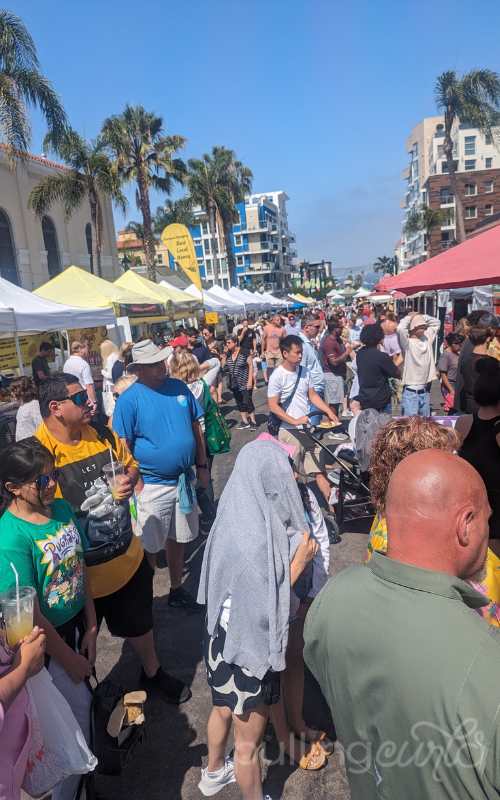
(8, 267)
(50, 244)
(88, 239)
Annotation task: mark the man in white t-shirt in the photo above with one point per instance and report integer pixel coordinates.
(285, 377)
(78, 366)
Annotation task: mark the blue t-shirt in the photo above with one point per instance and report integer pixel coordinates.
(158, 424)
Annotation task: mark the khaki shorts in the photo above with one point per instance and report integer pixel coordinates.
(273, 359)
(159, 517)
(307, 454)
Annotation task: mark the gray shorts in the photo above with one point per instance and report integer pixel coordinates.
(159, 517)
(334, 389)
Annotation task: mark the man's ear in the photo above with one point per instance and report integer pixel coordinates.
(465, 518)
(54, 406)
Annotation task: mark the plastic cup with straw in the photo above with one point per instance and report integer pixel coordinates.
(17, 609)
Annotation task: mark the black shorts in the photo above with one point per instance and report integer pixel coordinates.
(244, 400)
(129, 611)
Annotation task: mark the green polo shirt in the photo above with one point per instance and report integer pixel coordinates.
(411, 673)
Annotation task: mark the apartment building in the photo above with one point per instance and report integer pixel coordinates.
(477, 162)
(263, 245)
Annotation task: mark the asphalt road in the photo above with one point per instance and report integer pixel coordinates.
(168, 766)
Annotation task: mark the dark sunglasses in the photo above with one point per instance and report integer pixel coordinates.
(79, 398)
(43, 481)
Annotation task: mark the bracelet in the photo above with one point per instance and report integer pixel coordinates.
(201, 466)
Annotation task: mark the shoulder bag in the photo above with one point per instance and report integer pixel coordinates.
(273, 421)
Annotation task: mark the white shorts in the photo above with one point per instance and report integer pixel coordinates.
(159, 517)
(334, 389)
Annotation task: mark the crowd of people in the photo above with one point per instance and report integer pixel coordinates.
(100, 483)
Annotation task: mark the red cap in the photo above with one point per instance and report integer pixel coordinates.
(179, 341)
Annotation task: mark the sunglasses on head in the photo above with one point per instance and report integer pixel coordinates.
(43, 481)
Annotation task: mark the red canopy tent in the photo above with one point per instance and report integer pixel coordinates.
(475, 262)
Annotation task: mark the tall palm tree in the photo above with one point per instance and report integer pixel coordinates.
(90, 175)
(180, 211)
(145, 155)
(217, 182)
(385, 264)
(424, 219)
(22, 85)
(475, 99)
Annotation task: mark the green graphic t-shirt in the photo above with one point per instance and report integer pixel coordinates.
(48, 557)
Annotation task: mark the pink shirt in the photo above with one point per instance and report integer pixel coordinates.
(14, 738)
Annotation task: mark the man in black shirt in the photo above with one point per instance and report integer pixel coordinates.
(40, 364)
(374, 370)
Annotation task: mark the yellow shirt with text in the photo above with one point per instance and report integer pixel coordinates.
(79, 466)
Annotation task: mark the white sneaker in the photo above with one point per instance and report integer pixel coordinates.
(213, 782)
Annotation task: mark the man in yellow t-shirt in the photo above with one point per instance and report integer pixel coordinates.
(123, 586)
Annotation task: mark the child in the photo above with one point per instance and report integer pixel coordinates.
(40, 538)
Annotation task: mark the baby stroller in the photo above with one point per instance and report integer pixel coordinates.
(354, 510)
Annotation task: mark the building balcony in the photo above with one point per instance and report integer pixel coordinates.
(260, 227)
(447, 201)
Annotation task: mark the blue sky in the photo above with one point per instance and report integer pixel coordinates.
(315, 96)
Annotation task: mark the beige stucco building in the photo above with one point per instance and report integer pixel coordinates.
(32, 250)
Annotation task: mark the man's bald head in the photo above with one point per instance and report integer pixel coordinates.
(437, 514)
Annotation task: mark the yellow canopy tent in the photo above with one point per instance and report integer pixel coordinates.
(77, 287)
(156, 292)
(302, 299)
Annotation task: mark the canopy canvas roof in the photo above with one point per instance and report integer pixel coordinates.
(156, 292)
(77, 286)
(475, 262)
(23, 311)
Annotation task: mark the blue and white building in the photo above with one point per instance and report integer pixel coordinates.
(263, 246)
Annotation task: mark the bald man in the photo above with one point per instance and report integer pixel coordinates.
(409, 668)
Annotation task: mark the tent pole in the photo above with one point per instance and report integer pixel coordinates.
(19, 353)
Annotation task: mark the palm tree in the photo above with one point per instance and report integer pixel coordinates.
(90, 175)
(145, 155)
(424, 219)
(180, 211)
(385, 264)
(22, 85)
(217, 182)
(475, 99)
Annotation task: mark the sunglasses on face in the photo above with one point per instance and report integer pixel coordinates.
(79, 398)
(42, 482)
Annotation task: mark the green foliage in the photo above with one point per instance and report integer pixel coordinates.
(22, 85)
(180, 211)
(387, 265)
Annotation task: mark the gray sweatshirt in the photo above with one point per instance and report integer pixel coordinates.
(259, 524)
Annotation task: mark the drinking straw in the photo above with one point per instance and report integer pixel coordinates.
(18, 601)
(112, 463)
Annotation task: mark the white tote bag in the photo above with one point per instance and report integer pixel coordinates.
(58, 748)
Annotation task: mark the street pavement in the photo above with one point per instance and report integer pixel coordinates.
(168, 766)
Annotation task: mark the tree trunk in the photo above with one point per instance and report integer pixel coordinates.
(98, 242)
(147, 224)
(212, 212)
(227, 226)
(459, 208)
(95, 241)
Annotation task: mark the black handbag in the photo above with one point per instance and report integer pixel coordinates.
(113, 754)
(273, 421)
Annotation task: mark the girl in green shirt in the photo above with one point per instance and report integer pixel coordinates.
(40, 537)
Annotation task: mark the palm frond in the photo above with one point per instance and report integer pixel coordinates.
(17, 48)
(38, 91)
(14, 124)
(52, 189)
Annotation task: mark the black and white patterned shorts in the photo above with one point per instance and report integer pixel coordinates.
(235, 687)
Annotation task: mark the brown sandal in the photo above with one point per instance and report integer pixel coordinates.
(314, 759)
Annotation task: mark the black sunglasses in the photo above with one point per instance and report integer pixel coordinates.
(43, 481)
(79, 398)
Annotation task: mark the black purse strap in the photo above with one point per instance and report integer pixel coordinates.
(288, 401)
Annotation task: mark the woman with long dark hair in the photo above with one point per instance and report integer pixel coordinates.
(40, 538)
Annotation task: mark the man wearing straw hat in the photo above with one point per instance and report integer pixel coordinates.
(159, 419)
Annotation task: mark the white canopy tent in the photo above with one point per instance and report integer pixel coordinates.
(252, 301)
(209, 301)
(233, 305)
(274, 302)
(23, 311)
(362, 292)
(333, 294)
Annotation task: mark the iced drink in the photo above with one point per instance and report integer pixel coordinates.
(111, 473)
(18, 617)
